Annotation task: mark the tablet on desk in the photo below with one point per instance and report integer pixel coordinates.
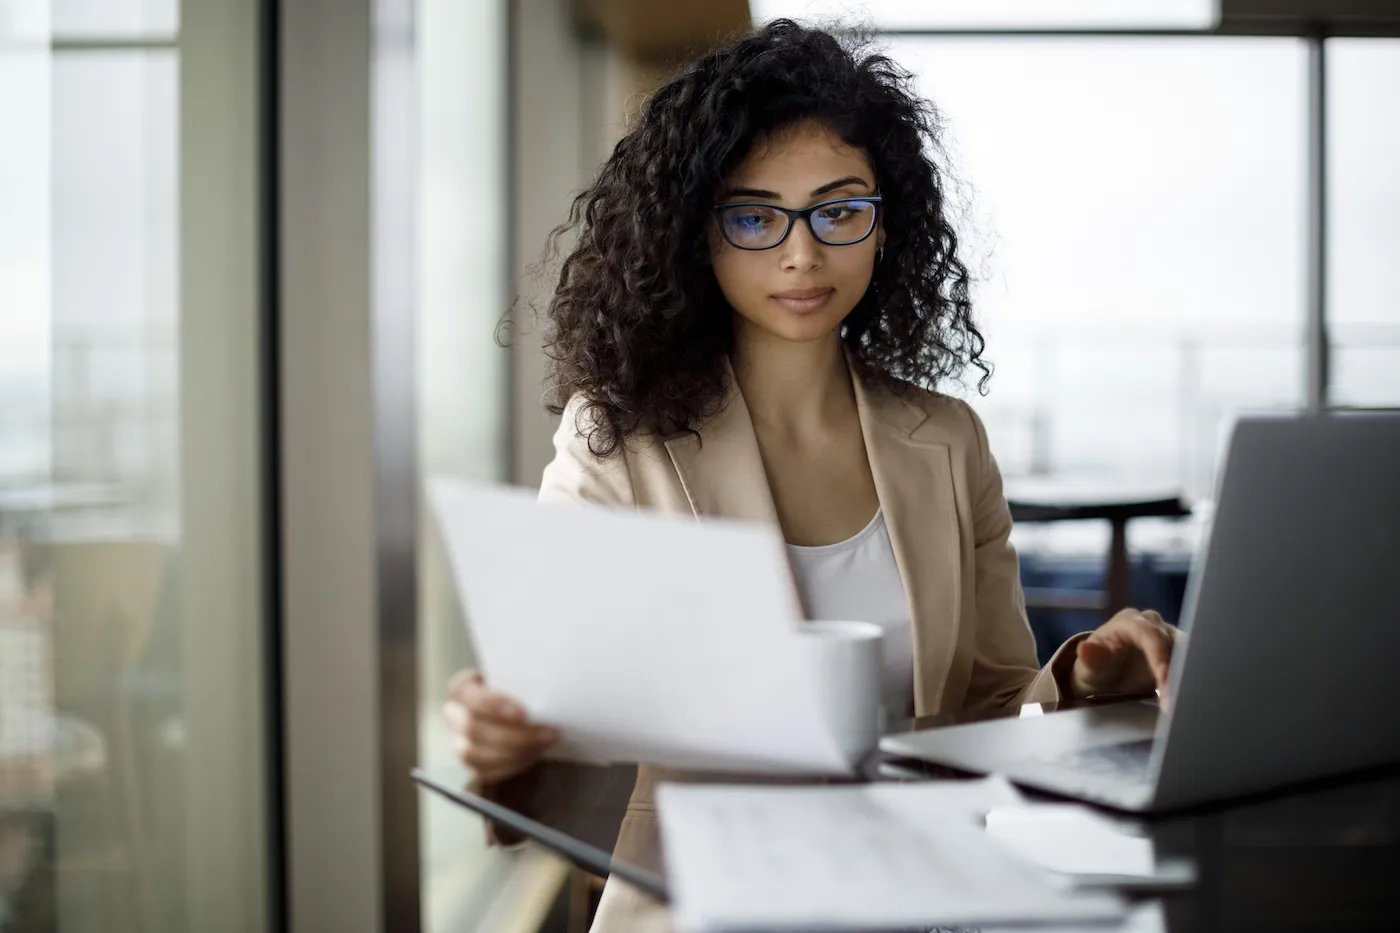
(585, 856)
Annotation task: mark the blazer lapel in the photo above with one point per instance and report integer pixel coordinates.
(914, 481)
(723, 476)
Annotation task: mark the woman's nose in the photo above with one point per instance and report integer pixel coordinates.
(801, 250)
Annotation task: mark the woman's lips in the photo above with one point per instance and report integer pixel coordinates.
(804, 299)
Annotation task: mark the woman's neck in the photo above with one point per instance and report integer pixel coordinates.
(792, 387)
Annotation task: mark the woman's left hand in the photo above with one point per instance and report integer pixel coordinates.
(1130, 653)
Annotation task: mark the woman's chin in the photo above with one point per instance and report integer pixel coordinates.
(801, 328)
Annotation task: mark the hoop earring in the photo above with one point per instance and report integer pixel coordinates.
(879, 254)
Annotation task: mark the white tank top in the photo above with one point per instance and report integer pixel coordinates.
(858, 580)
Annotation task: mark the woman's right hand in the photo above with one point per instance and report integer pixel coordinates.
(491, 733)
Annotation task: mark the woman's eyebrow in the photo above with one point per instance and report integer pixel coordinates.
(752, 193)
(774, 196)
(840, 183)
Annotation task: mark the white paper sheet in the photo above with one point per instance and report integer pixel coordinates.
(641, 638)
(872, 857)
(1070, 838)
(1088, 848)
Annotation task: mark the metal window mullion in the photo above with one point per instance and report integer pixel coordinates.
(1317, 347)
(347, 390)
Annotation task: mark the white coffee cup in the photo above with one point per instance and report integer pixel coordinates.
(847, 659)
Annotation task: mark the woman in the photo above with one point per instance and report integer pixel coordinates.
(764, 290)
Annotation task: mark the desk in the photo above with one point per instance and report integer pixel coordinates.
(1321, 857)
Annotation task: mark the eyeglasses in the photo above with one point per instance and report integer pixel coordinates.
(758, 225)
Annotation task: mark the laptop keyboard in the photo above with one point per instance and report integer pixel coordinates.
(1126, 760)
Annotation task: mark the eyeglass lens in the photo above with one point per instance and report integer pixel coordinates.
(756, 226)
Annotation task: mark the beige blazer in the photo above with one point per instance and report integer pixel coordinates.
(941, 493)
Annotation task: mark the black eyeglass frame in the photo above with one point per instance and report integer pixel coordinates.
(805, 214)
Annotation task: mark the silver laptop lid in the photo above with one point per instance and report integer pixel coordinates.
(1292, 613)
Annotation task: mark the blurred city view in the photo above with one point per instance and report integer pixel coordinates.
(1135, 210)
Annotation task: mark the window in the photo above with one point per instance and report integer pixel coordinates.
(132, 755)
(1134, 210)
(1363, 231)
(462, 385)
(105, 20)
(1001, 14)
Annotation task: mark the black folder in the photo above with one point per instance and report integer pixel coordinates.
(589, 858)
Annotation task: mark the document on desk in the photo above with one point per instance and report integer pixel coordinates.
(641, 638)
(1086, 847)
(874, 857)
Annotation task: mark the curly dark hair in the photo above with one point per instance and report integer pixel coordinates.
(637, 326)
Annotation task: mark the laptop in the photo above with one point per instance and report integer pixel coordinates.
(1292, 648)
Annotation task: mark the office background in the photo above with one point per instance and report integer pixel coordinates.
(254, 259)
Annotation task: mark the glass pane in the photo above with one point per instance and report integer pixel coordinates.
(462, 388)
(1363, 188)
(114, 590)
(27, 794)
(1134, 212)
(999, 14)
(24, 265)
(115, 19)
(110, 565)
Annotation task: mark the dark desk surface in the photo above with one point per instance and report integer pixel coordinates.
(1325, 856)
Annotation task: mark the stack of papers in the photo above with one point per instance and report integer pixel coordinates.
(874, 857)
